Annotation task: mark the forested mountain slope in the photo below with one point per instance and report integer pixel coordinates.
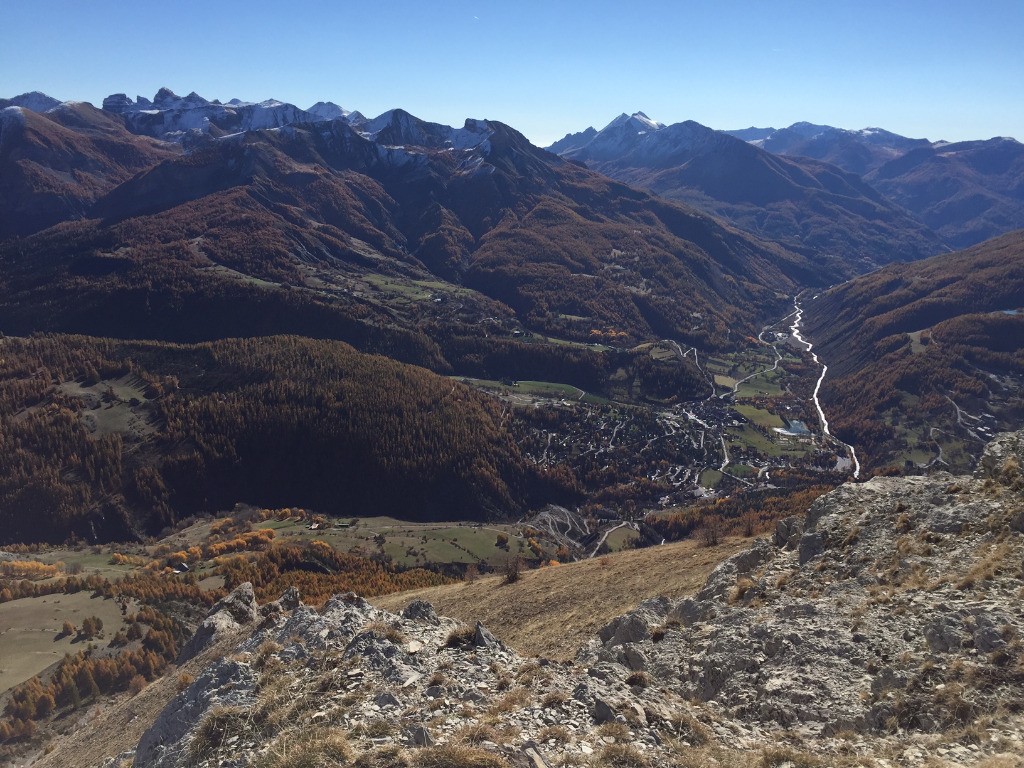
(926, 359)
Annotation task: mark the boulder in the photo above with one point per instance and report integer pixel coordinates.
(421, 610)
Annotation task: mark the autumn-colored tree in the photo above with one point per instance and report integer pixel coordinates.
(91, 626)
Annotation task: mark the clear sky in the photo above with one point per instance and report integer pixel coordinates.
(942, 69)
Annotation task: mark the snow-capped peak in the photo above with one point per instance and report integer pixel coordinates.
(34, 101)
(328, 110)
(638, 121)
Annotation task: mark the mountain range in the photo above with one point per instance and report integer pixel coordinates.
(852, 192)
(464, 250)
(966, 191)
(808, 205)
(517, 232)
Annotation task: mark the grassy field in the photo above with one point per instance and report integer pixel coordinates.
(548, 389)
(408, 544)
(759, 416)
(86, 559)
(411, 290)
(28, 629)
(112, 406)
(764, 385)
(750, 437)
(710, 478)
(621, 539)
(553, 611)
(742, 470)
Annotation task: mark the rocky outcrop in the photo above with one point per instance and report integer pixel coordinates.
(235, 610)
(392, 681)
(887, 621)
(893, 606)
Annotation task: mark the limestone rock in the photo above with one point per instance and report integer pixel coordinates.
(234, 610)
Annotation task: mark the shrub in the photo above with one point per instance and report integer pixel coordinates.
(91, 626)
(710, 532)
(184, 681)
(513, 569)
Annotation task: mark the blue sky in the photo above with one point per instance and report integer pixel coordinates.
(940, 70)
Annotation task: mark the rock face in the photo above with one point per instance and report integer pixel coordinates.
(894, 605)
(235, 610)
(400, 681)
(887, 621)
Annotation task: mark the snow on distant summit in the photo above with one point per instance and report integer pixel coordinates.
(177, 118)
(35, 101)
(637, 139)
(328, 110)
(398, 136)
(856, 151)
(638, 121)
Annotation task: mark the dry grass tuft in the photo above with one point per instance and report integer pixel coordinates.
(685, 727)
(316, 749)
(556, 733)
(554, 699)
(475, 734)
(385, 757)
(784, 757)
(987, 567)
(216, 728)
(614, 730)
(639, 679)
(460, 637)
(452, 756)
(622, 756)
(385, 631)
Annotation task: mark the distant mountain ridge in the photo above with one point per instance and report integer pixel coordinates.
(966, 192)
(522, 235)
(855, 151)
(812, 207)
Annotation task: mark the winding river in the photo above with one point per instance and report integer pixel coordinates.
(795, 328)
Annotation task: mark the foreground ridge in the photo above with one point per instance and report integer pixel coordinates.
(882, 629)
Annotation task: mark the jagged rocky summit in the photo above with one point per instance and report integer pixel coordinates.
(884, 628)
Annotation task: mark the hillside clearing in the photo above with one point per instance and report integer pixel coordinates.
(553, 611)
(29, 628)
